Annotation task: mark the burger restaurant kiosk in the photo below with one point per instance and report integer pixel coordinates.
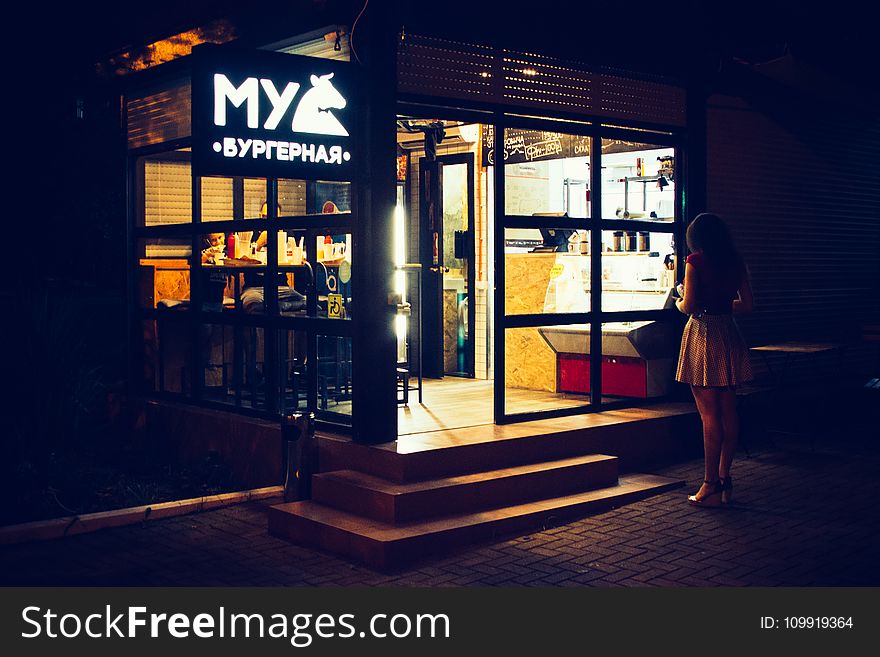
(425, 261)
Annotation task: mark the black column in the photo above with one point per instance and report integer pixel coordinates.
(695, 159)
(374, 347)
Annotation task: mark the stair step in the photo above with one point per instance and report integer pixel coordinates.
(373, 497)
(636, 436)
(383, 545)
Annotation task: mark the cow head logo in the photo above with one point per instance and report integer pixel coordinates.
(314, 113)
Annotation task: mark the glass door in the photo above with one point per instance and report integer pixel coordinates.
(458, 264)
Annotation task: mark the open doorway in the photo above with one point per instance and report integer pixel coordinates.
(449, 306)
(445, 228)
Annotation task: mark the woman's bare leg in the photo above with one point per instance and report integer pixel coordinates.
(730, 429)
(708, 405)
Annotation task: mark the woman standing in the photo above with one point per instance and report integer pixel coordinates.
(713, 357)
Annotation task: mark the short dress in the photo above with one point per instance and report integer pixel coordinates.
(713, 353)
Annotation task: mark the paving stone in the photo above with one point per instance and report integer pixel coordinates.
(799, 518)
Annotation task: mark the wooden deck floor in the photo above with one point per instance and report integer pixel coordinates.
(456, 403)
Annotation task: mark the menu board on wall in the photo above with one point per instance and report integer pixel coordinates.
(533, 145)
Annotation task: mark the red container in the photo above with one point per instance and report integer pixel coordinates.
(622, 376)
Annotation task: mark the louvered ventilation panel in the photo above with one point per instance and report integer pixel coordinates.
(160, 116)
(539, 82)
(448, 69)
(428, 66)
(640, 100)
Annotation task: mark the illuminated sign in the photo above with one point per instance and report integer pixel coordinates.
(266, 114)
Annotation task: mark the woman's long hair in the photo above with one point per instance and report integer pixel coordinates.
(711, 236)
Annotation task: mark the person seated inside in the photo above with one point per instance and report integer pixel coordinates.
(213, 280)
(253, 291)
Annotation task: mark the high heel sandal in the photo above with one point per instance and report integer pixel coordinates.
(709, 499)
(726, 489)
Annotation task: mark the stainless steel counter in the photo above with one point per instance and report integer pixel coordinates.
(647, 339)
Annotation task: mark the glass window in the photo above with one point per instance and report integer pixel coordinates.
(546, 173)
(232, 365)
(638, 181)
(173, 345)
(254, 195)
(165, 185)
(217, 361)
(215, 277)
(148, 377)
(292, 355)
(250, 380)
(163, 272)
(531, 368)
(232, 271)
(638, 360)
(334, 374)
(217, 199)
(638, 270)
(305, 197)
(291, 198)
(224, 199)
(546, 270)
(327, 197)
(332, 270)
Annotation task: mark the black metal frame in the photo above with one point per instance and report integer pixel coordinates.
(595, 317)
(469, 160)
(272, 323)
(597, 128)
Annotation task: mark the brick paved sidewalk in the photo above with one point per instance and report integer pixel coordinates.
(801, 516)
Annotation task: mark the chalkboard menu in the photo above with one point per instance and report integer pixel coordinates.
(533, 145)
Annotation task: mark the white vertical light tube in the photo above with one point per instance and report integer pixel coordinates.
(399, 276)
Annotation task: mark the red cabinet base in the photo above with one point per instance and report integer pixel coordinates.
(622, 376)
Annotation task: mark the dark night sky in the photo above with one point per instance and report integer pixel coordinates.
(835, 38)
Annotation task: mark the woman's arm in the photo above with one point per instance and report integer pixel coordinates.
(688, 302)
(745, 303)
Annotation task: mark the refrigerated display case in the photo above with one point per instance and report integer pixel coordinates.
(638, 358)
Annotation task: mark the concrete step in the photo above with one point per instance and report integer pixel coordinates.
(373, 497)
(636, 436)
(383, 545)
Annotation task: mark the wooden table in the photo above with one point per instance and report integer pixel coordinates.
(794, 348)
